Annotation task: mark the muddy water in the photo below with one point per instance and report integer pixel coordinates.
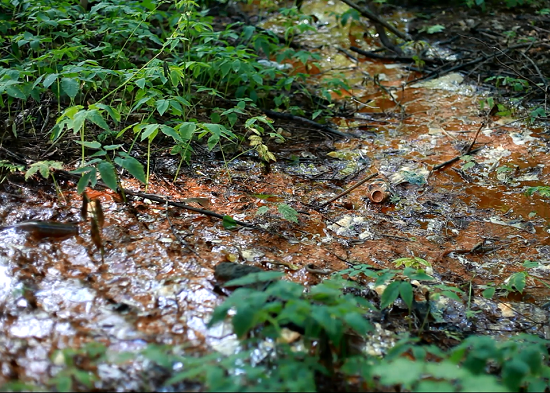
(155, 283)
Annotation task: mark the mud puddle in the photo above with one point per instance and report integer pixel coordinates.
(470, 219)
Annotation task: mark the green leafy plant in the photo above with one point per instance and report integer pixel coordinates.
(284, 331)
(516, 84)
(6, 166)
(78, 366)
(433, 29)
(536, 113)
(288, 213)
(253, 125)
(469, 162)
(543, 191)
(99, 85)
(43, 167)
(101, 162)
(516, 282)
(414, 262)
(324, 315)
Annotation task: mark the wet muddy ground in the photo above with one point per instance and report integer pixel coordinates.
(471, 219)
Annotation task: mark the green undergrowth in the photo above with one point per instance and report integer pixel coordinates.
(120, 81)
(149, 74)
(331, 351)
(289, 338)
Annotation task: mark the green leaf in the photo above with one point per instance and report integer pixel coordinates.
(112, 147)
(63, 383)
(171, 132)
(390, 294)
(49, 80)
(215, 117)
(186, 130)
(236, 65)
(77, 121)
(91, 145)
(133, 166)
(57, 130)
(113, 112)
(288, 212)
(489, 293)
(159, 354)
(43, 167)
(108, 174)
(225, 67)
(254, 278)
(99, 153)
(400, 371)
(149, 131)
(332, 326)
(513, 372)
(85, 180)
(434, 386)
(213, 141)
(325, 292)
(419, 275)
(228, 222)
(16, 92)
(262, 210)
(189, 374)
(358, 323)
(536, 384)
(414, 262)
(175, 78)
(33, 169)
(70, 87)
(530, 264)
(517, 281)
(18, 386)
(70, 112)
(84, 377)
(316, 114)
(140, 83)
(244, 320)
(544, 191)
(451, 295)
(95, 117)
(533, 358)
(285, 290)
(219, 130)
(162, 106)
(406, 292)
(435, 29)
(219, 313)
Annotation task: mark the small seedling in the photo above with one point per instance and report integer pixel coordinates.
(92, 209)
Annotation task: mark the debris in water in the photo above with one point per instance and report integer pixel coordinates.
(45, 229)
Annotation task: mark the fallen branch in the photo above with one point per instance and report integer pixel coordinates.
(469, 149)
(165, 201)
(461, 65)
(376, 19)
(405, 59)
(323, 127)
(209, 213)
(439, 166)
(366, 179)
